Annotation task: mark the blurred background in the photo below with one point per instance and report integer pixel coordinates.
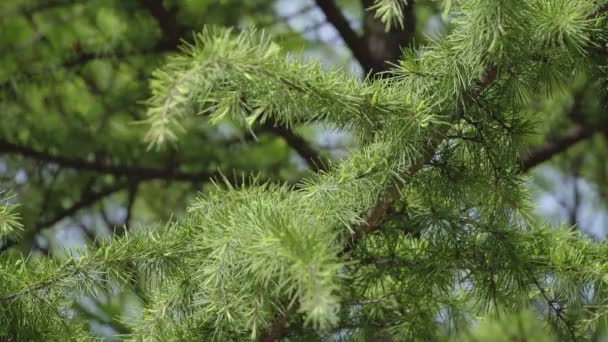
(73, 84)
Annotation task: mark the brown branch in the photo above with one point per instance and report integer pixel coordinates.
(539, 154)
(166, 20)
(134, 172)
(86, 201)
(133, 188)
(278, 328)
(300, 145)
(355, 43)
(385, 47)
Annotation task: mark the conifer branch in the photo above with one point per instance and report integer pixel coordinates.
(171, 32)
(301, 146)
(377, 213)
(85, 201)
(273, 253)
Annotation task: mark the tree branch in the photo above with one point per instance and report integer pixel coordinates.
(301, 146)
(335, 16)
(171, 32)
(539, 154)
(134, 172)
(86, 201)
(385, 47)
(165, 19)
(133, 188)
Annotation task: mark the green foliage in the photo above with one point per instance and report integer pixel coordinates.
(442, 136)
(523, 326)
(10, 224)
(247, 79)
(390, 12)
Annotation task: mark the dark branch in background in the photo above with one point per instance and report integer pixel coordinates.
(87, 200)
(300, 145)
(133, 188)
(385, 47)
(355, 43)
(576, 200)
(539, 154)
(134, 172)
(165, 19)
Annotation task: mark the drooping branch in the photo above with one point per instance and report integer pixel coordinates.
(171, 33)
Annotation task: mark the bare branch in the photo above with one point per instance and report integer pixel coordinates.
(165, 19)
(385, 48)
(301, 146)
(134, 172)
(335, 16)
(539, 154)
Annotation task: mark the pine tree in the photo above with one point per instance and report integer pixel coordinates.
(422, 233)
